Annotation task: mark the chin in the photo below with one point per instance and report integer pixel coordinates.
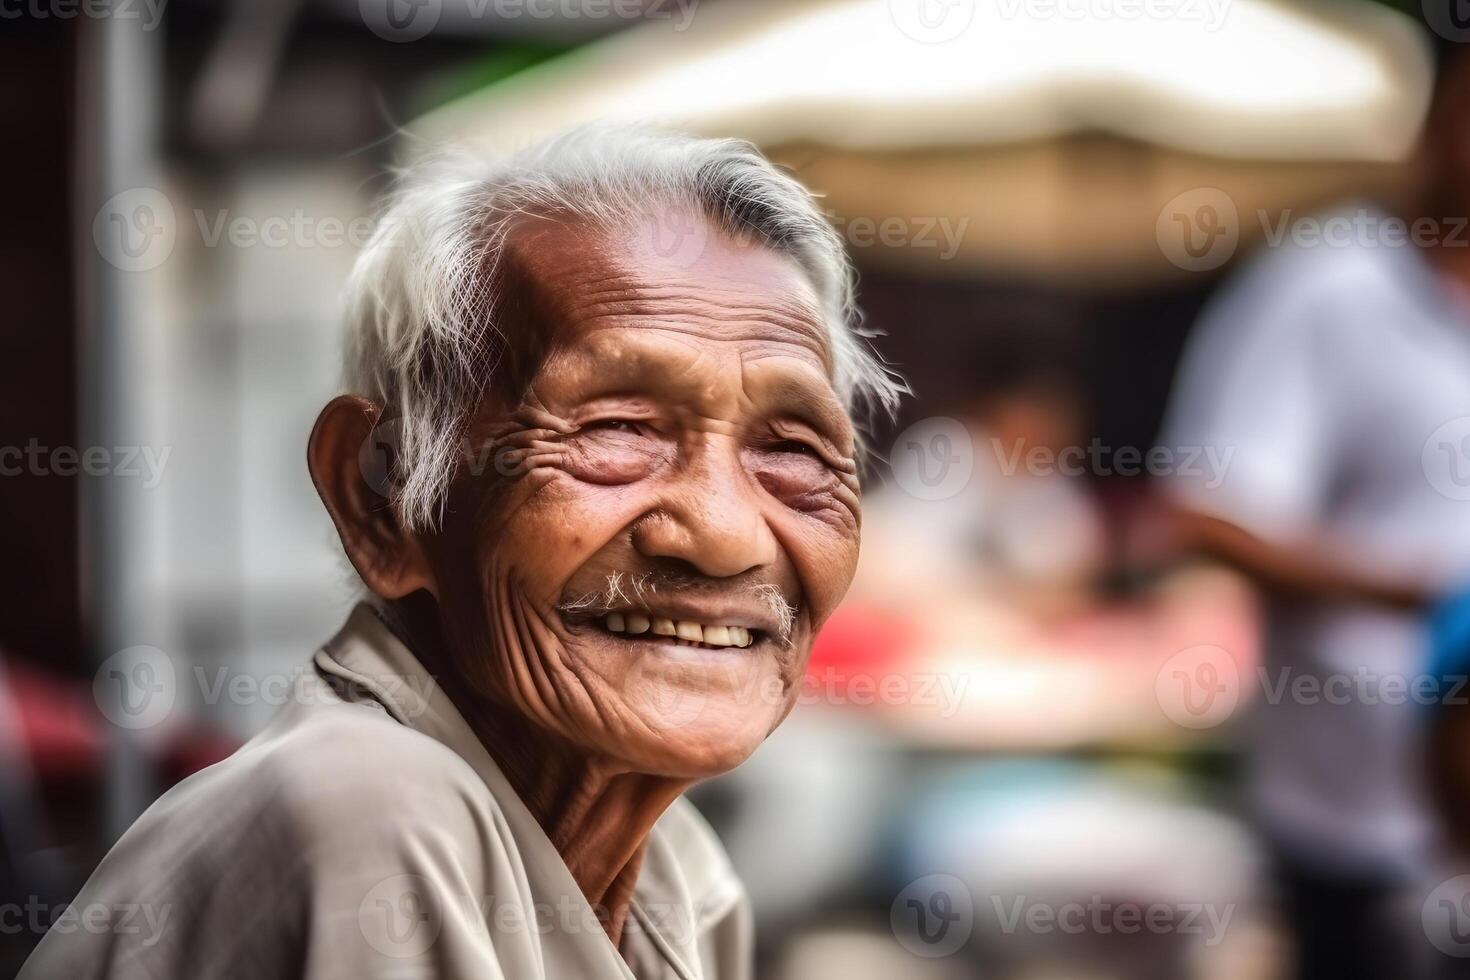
(710, 747)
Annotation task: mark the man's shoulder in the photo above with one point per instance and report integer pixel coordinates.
(327, 782)
(1345, 261)
(327, 761)
(251, 858)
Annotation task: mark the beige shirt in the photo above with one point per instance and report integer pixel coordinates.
(367, 833)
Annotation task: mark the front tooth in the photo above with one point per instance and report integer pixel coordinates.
(615, 622)
(690, 631)
(717, 636)
(637, 623)
(739, 636)
(664, 627)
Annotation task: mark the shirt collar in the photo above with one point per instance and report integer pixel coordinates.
(373, 662)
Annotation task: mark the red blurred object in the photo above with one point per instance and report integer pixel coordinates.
(64, 737)
(56, 723)
(861, 641)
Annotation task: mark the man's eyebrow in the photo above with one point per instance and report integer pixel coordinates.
(804, 396)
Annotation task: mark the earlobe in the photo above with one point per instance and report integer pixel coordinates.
(351, 456)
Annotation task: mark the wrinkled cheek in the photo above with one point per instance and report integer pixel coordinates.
(500, 592)
(827, 558)
(541, 541)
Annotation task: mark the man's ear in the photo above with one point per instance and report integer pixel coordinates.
(351, 457)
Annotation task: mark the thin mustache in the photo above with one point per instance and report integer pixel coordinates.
(624, 590)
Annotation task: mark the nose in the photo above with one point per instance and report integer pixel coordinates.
(711, 518)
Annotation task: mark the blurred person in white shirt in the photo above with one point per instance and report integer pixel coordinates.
(1339, 374)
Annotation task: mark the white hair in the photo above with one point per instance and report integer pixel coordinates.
(423, 333)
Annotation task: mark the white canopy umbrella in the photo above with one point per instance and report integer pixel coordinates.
(989, 111)
(1261, 79)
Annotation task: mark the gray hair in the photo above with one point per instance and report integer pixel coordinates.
(423, 333)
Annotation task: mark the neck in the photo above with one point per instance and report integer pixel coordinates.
(595, 811)
(597, 815)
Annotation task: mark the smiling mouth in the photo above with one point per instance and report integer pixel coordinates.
(631, 625)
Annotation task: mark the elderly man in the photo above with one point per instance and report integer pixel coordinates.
(615, 374)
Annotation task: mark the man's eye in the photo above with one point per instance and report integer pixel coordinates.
(795, 447)
(611, 425)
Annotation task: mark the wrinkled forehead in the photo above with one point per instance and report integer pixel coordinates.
(667, 282)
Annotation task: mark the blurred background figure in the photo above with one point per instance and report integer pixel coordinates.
(1046, 737)
(1029, 532)
(1342, 372)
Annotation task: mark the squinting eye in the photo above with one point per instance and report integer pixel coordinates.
(611, 425)
(792, 446)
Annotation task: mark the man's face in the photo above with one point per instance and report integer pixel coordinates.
(678, 463)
